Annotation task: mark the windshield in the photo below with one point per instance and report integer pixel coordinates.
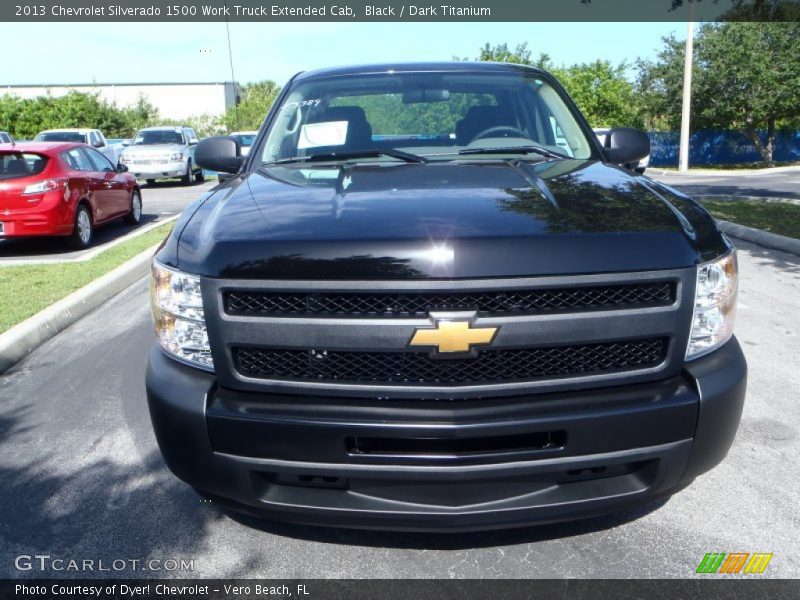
(157, 137)
(435, 115)
(61, 136)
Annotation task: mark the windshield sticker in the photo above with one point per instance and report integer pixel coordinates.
(329, 133)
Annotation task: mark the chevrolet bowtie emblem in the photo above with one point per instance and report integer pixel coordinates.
(453, 336)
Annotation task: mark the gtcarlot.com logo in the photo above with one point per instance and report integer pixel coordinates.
(734, 562)
(45, 562)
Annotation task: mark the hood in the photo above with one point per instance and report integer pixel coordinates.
(442, 220)
(151, 150)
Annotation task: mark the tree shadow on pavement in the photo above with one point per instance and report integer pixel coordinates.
(766, 257)
(99, 510)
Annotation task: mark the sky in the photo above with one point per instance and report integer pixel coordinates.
(182, 52)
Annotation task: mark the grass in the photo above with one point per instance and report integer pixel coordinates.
(782, 218)
(27, 289)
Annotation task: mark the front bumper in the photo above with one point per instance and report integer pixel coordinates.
(444, 465)
(157, 170)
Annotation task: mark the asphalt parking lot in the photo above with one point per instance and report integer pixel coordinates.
(781, 183)
(82, 478)
(160, 201)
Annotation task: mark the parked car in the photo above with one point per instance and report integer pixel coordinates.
(460, 326)
(245, 139)
(63, 189)
(163, 152)
(5, 138)
(639, 166)
(92, 137)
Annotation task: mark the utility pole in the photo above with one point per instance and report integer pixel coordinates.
(686, 112)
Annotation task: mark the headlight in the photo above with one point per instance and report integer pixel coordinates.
(714, 305)
(176, 156)
(178, 316)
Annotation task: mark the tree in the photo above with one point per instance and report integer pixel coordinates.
(25, 117)
(256, 99)
(750, 77)
(746, 77)
(601, 90)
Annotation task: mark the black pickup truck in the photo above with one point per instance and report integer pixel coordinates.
(428, 299)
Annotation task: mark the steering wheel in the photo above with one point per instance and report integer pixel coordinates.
(492, 131)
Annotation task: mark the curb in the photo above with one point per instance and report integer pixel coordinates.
(734, 198)
(772, 241)
(93, 252)
(22, 339)
(726, 172)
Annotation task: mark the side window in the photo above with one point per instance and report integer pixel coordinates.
(93, 138)
(78, 160)
(100, 162)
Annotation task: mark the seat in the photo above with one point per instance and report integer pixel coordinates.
(359, 131)
(17, 166)
(478, 119)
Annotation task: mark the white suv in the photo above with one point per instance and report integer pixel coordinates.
(163, 152)
(93, 137)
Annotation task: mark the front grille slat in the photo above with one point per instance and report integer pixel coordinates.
(489, 366)
(419, 304)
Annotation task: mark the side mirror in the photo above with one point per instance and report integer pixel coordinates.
(126, 143)
(219, 153)
(193, 141)
(626, 145)
(98, 144)
(122, 168)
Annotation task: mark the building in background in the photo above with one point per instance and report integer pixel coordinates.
(173, 100)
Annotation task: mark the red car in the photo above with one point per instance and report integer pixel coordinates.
(63, 189)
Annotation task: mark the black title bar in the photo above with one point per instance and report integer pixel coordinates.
(400, 10)
(702, 587)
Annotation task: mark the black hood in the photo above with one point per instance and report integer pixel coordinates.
(441, 220)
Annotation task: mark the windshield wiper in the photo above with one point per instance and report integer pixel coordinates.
(515, 150)
(342, 156)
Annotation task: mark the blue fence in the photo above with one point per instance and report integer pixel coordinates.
(719, 148)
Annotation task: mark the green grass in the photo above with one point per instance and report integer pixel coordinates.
(27, 289)
(782, 218)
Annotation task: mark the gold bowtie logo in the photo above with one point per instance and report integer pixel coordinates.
(453, 336)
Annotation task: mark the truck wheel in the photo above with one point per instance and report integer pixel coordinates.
(200, 177)
(187, 179)
(82, 232)
(134, 217)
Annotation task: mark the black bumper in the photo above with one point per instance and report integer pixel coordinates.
(446, 465)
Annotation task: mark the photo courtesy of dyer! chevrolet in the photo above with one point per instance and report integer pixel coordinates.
(493, 324)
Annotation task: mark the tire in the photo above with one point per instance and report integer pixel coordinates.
(187, 179)
(134, 217)
(200, 177)
(82, 231)
(150, 181)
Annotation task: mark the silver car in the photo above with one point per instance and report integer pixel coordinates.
(163, 152)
